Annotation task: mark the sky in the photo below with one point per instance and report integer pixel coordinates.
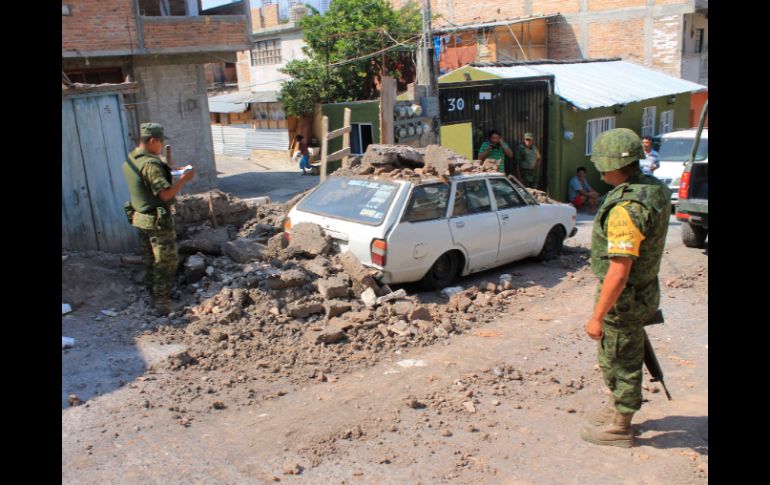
(257, 3)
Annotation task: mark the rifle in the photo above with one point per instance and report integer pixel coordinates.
(650, 360)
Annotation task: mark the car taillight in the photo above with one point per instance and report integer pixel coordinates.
(287, 229)
(379, 252)
(684, 185)
(681, 216)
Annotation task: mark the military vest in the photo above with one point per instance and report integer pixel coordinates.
(655, 198)
(142, 198)
(528, 157)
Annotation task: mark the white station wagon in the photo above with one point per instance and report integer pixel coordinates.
(432, 231)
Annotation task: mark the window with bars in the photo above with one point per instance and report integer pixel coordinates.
(648, 121)
(666, 121)
(596, 127)
(266, 52)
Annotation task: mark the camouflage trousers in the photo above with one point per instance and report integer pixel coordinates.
(158, 247)
(529, 178)
(621, 357)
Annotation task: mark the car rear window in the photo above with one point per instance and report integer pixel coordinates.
(364, 201)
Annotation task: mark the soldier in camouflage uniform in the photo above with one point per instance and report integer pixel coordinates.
(528, 162)
(626, 250)
(152, 192)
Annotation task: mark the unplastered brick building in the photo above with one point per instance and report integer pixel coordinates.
(668, 35)
(162, 45)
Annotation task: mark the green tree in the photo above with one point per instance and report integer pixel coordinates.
(340, 65)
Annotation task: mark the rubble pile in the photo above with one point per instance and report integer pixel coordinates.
(289, 303)
(402, 162)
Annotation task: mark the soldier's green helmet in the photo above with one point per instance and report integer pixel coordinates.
(615, 149)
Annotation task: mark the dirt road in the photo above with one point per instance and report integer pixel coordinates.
(502, 403)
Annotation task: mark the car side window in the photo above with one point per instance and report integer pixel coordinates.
(505, 195)
(427, 202)
(471, 197)
(523, 193)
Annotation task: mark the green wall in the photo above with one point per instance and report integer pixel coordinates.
(570, 154)
(360, 112)
(458, 75)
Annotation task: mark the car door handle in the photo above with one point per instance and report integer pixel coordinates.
(460, 224)
(504, 217)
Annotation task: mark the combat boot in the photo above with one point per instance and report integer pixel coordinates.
(604, 416)
(161, 305)
(617, 432)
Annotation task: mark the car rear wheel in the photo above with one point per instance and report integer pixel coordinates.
(553, 244)
(694, 236)
(443, 272)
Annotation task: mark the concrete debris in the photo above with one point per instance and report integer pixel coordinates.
(451, 290)
(73, 400)
(369, 297)
(394, 295)
(333, 287)
(359, 274)
(208, 241)
(420, 313)
(194, 268)
(244, 250)
(109, 313)
(412, 363)
(468, 405)
(335, 308)
(65, 308)
(402, 308)
(67, 342)
(309, 240)
(393, 155)
(286, 279)
(303, 310)
(325, 335)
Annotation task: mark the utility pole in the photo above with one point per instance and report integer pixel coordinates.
(425, 73)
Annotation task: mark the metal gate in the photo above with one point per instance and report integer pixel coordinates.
(512, 107)
(95, 141)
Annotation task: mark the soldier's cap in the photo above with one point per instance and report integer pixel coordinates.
(528, 136)
(154, 130)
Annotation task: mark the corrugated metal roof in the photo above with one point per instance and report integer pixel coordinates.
(598, 84)
(237, 102)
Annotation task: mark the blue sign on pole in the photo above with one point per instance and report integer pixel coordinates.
(437, 47)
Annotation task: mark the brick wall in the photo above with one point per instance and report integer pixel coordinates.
(666, 44)
(243, 68)
(270, 14)
(597, 5)
(620, 38)
(164, 33)
(555, 6)
(98, 25)
(563, 40)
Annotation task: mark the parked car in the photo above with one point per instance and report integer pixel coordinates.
(674, 152)
(432, 231)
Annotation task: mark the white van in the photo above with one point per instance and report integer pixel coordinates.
(674, 151)
(435, 231)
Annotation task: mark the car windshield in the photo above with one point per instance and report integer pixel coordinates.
(678, 149)
(364, 201)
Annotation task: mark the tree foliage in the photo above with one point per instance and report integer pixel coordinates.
(351, 30)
